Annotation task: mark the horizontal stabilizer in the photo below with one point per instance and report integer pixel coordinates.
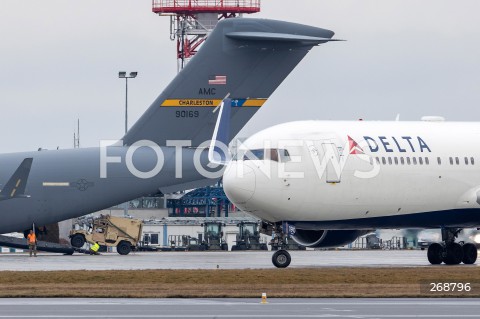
(279, 37)
(15, 187)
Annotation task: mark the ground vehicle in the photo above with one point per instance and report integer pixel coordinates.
(248, 237)
(213, 236)
(373, 242)
(194, 245)
(110, 231)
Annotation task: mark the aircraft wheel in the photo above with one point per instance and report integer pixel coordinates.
(469, 254)
(124, 248)
(434, 254)
(281, 259)
(264, 247)
(77, 240)
(234, 247)
(454, 254)
(225, 247)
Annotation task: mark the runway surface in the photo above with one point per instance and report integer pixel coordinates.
(210, 260)
(239, 308)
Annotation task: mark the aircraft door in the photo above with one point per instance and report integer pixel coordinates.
(331, 158)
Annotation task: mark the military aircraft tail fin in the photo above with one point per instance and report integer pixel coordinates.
(248, 58)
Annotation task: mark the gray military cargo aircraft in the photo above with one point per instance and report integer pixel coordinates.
(166, 149)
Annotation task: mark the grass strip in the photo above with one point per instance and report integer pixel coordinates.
(291, 283)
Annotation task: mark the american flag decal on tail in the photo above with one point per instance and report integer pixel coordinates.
(217, 80)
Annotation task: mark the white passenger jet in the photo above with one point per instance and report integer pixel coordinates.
(325, 183)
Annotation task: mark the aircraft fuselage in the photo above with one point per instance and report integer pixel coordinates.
(362, 175)
(68, 183)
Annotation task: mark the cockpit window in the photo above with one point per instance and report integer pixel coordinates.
(254, 155)
(273, 154)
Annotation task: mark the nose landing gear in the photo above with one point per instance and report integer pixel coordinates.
(450, 252)
(281, 258)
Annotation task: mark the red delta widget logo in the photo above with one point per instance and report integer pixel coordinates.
(354, 148)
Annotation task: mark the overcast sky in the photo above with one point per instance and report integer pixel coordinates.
(60, 60)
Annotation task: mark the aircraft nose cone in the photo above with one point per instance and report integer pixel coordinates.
(239, 186)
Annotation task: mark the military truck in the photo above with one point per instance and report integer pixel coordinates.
(248, 237)
(110, 231)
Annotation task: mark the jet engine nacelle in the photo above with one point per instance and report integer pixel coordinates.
(326, 238)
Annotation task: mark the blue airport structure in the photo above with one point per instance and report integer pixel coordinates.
(208, 201)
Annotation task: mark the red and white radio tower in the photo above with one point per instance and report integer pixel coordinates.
(192, 20)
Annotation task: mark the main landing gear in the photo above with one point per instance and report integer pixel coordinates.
(450, 252)
(281, 258)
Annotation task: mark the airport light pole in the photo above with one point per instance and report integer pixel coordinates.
(123, 75)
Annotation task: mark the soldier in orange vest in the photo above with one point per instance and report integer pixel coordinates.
(32, 243)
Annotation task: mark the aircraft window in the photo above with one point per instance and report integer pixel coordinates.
(402, 160)
(466, 160)
(439, 160)
(427, 161)
(284, 155)
(396, 160)
(378, 160)
(254, 155)
(390, 160)
(414, 159)
(384, 161)
(451, 160)
(408, 160)
(472, 160)
(371, 160)
(420, 160)
(457, 160)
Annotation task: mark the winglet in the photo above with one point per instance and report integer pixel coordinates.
(218, 151)
(15, 187)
